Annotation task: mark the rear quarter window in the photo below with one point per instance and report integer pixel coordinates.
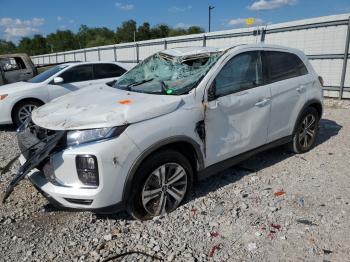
(283, 65)
(107, 71)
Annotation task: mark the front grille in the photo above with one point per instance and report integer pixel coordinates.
(33, 138)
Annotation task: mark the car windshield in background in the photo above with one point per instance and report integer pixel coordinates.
(165, 74)
(47, 74)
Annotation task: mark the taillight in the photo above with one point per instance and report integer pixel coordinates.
(321, 80)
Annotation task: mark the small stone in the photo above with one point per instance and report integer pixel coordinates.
(170, 257)
(107, 237)
(251, 247)
(218, 210)
(213, 224)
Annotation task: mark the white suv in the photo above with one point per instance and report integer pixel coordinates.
(179, 116)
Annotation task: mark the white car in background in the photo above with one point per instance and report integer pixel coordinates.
(18, 100)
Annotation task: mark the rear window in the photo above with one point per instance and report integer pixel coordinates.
(107, 71)
(284, 65)
(12, 63)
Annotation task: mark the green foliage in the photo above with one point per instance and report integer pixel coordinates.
(65, 40)
(7, 47)
(90, 37)
(62, 40)
(125, 33)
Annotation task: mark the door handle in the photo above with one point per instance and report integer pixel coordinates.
(263, 102)
(301, 88)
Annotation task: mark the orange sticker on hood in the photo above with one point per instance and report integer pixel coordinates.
(125, 102)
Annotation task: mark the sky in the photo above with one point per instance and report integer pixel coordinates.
(26, 18)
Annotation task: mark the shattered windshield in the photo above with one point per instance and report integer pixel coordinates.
(166, 74)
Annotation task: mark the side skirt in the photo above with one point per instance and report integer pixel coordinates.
(215, 168)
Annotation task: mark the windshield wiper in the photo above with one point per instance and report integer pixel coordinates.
(138, 83)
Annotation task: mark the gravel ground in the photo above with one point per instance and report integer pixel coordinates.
(275, 206)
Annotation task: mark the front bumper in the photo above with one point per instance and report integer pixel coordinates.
(5, 112)
(60, 183)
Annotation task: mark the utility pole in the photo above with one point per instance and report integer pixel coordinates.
(209, 9)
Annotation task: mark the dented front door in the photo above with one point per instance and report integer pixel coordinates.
(237, 118)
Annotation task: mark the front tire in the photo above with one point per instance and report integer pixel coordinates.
(306, 131)
(23, 110)
(161, 184)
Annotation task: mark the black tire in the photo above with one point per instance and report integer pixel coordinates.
(19, 108)
(172, 161)
(303, 141)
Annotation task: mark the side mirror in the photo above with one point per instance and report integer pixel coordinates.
(58, 80)
(212, 91)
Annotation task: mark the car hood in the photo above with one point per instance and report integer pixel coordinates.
(15, 87)
(102, 106)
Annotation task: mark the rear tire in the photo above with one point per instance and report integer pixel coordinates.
(161, 184)
(306, 131)
(23, 110)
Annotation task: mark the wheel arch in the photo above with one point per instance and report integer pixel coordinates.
(23, 100)
(185, 145)
(314, 103)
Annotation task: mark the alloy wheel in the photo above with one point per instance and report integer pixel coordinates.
(164, 189)
(307, 131)
(25, 111)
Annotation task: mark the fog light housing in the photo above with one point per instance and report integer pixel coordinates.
(87, 170)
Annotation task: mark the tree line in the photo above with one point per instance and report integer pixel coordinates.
(65, 40)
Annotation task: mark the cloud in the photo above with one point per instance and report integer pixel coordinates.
(59, 18)
(20, 31)
(15, 27)
(176, 9)
(182, 25)
(241, 22)
(124, 7)
(270, 4)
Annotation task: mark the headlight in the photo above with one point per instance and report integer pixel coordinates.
(84, 136)
(2, 97)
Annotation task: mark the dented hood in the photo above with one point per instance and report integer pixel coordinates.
(102, 106)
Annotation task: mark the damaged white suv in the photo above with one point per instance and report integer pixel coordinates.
(179, 116)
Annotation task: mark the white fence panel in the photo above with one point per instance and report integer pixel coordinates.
(323, 40)
(91, 55)
(126, 53)
(185, 44)
(146, 51)
(79, 56)
(329, 69)
(107, 54)
(60, 58)
(69, 57)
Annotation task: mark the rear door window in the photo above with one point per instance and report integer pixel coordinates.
(283, 65)
(107, 71)
(77, 74)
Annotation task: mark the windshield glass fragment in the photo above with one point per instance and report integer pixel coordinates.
(165, 74)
